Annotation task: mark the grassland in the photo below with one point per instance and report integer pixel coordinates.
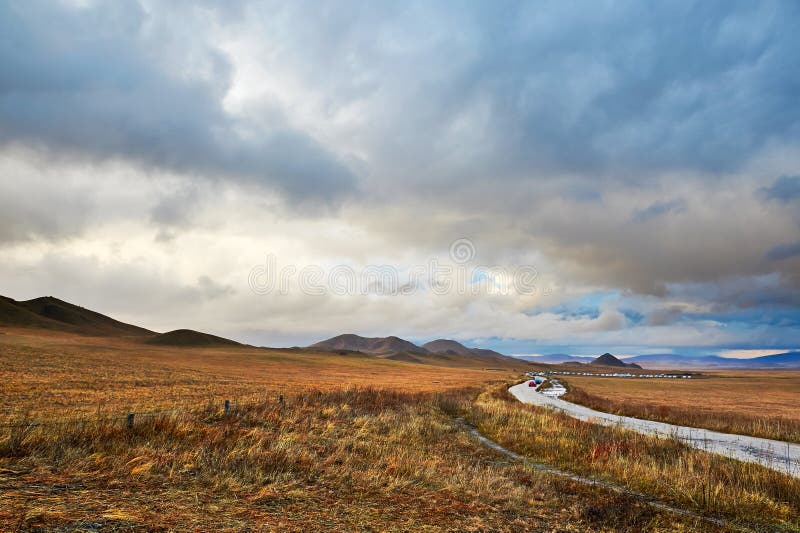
(334, 455)
(750, 495)
(359, 443)
(762, 404)
(47, 375)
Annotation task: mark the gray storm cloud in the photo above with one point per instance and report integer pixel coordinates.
(641, 148)
(93, 82)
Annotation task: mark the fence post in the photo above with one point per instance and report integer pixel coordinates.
(227, 406)
(130, 420)
(280, 399)
(788, 460)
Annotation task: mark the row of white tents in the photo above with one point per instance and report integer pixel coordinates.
(616, 374)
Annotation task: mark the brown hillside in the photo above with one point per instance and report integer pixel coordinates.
(51, 313)
(188, 337)
(446, 346)
(373, 345)
(609, 360)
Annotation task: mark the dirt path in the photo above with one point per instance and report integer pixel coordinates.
(658, 504)
(777, 455)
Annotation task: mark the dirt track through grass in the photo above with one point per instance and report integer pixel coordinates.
(593, 482)
(744, 494)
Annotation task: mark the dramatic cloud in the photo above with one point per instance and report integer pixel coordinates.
(101, 82)
(642, 158)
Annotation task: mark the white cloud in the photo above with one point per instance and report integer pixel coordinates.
(147, 164)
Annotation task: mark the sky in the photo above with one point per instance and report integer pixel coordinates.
(589, 176)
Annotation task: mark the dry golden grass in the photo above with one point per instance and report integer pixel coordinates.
(333, 456)
(749, 495)
(762, 404)
(337, 460)
(47, 375)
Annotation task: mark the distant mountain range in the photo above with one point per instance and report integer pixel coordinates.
(51, 313)
(559, 358)
(783, 360)
(556, 358)
(385, 346)
(373, 345)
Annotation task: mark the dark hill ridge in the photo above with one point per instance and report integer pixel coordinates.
(488, 354)
(609, 360)
(188, 337)
(401, 349)
(446, 346)
(14, 314)
(373, 345)
(51, 313)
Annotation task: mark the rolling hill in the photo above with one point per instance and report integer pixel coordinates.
(372, 345)
(51, 313)
(788, 359)
(446, 346)
(490, 354)
(609, 360)
(14, 314)
(188, 337)
(440, 351)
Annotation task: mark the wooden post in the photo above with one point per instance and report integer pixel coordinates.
(130, 420)
(280, 399)
(227, 406)
(788, 460)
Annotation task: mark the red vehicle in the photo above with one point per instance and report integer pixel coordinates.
(531, 383)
